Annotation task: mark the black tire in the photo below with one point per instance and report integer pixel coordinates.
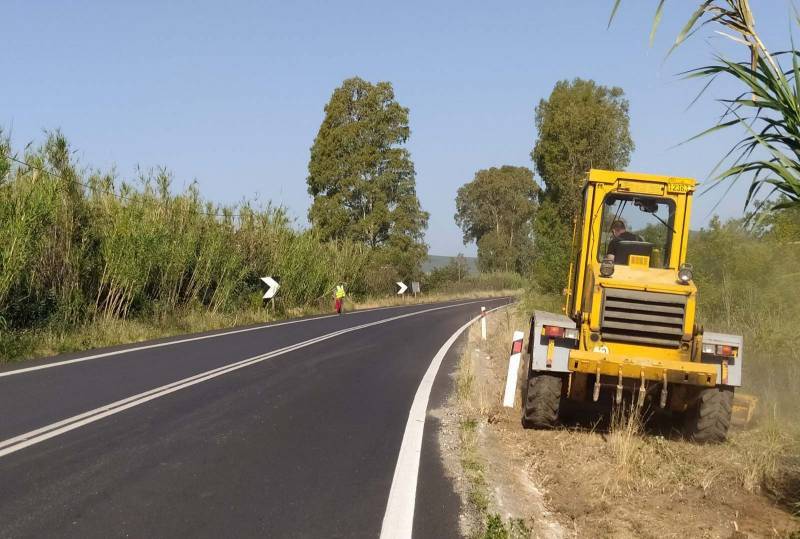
(542, 401)
(708, 421)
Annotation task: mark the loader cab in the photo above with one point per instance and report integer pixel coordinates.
(631, 238)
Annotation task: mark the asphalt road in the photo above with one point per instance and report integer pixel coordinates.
(286, 430)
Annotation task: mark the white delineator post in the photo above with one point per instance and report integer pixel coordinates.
(483, 323)
(513, 368)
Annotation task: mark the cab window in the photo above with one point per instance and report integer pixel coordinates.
(637, 230)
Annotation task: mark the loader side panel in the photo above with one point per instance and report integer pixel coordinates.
(732, 375)
(549, 354)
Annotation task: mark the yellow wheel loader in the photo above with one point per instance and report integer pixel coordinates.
(629, 324)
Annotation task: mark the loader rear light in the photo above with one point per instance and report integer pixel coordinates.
(555, 332)
(724, 350)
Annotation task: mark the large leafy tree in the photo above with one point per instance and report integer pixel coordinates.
(362, 178)
(582, 125)
(495, 210)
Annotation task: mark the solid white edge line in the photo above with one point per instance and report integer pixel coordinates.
(398, 520)
(156, 345)
(41, 434)
(191, 339)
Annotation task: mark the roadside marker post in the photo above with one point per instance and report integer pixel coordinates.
(273, 287)
(483, 323)
(513, 369)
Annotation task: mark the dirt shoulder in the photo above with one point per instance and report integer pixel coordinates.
(605, 482)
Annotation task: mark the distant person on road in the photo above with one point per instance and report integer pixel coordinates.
(620, 232)
(339, 296)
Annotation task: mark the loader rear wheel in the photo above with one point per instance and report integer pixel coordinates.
(708, 421)
(542, 401)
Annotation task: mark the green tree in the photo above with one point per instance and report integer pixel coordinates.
(551, 246)
(582, 125)
(495, 210)
(459, 265)
(363, 180)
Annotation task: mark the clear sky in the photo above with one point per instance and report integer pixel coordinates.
(232, 93)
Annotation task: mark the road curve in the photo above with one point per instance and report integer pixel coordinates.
(281, 430)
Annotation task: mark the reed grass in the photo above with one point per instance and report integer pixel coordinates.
(766, 111)
(88, 260)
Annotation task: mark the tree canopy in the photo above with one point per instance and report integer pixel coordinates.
(582, 125)
(362, 179)
(495, 210)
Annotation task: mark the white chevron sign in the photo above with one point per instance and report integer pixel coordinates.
(273, 287)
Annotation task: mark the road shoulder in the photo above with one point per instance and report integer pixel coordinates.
(591, 482)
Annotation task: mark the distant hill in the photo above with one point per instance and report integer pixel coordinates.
(437, 261)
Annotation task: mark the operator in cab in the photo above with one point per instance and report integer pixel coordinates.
(620, 232)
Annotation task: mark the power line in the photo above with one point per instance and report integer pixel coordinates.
(112, 193)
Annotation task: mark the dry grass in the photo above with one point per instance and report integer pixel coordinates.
(477, 406)
(762, 460)
(629, 462)
(112, 332)
(391, 301)
(624, 479)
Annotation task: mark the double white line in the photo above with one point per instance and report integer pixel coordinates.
(27, 439)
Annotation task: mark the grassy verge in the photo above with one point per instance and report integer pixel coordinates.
(370, 303)
(487, 522)
(628, 478)
(114, 331)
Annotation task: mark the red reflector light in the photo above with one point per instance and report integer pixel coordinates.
(553, 331)
(516, 348)
(725, 350)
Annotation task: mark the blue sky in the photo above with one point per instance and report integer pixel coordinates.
(232, 93)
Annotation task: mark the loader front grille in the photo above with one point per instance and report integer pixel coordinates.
(636, 317)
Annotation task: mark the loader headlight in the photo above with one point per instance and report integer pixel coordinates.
(607, 267)
(685, 273)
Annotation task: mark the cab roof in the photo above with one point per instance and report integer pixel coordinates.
(611, 176)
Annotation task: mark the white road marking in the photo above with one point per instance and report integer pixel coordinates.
(60, 427)
(157, 345)
(398, 521)
(181, 341)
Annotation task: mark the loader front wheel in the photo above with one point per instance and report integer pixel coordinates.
(542, 401)
(708, 421)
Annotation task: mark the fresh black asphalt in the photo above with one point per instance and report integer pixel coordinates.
(300, 445)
